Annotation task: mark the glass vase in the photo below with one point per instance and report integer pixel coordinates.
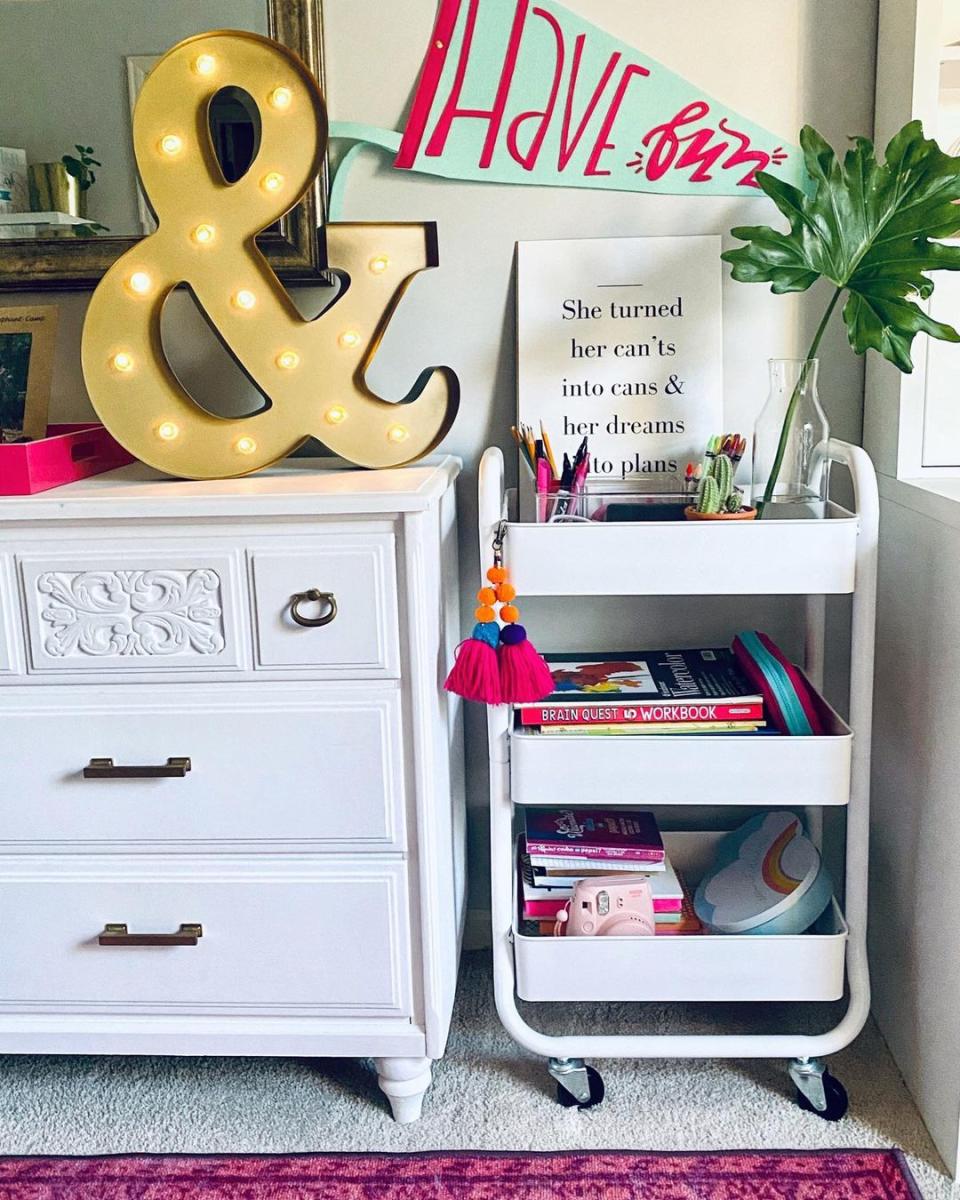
(790, 466)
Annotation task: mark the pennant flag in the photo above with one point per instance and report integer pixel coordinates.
(519, 92)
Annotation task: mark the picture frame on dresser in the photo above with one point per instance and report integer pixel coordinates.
(27, 339)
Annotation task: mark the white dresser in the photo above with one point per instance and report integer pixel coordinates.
(223, 831)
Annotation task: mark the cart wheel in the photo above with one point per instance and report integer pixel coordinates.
(837, 1101)
(568, 1100)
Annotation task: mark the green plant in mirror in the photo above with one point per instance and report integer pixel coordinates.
(81, 165)
(866, 226)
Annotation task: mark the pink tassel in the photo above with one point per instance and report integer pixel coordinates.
(524, 676)
(475, 674)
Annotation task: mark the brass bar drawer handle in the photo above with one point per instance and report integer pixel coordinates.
(315, 596)
(119, 935)
(105, 768)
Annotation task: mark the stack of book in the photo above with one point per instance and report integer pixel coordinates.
(655, 691)
(561, 846)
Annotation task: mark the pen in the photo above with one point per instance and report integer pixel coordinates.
(543, 488)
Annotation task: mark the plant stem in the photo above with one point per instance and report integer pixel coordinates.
(792, 407)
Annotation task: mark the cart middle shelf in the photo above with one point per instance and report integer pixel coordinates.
(763, 769)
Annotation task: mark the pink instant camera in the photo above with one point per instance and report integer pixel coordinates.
(609, 906)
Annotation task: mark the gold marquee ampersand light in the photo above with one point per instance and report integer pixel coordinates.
(312, 372)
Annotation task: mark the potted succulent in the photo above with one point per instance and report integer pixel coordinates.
(62, 186)
(718, 499)
(867, 227)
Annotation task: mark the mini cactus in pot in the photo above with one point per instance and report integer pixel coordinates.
(718, 498)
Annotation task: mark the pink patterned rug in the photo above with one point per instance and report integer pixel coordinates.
(607, 1175)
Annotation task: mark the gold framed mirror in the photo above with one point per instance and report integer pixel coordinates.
(86, 104)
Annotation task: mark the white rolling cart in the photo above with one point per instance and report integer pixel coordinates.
(812, 558)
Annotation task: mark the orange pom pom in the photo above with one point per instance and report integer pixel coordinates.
(486, 596)
(510, 613)
(506, 592)
(497, 574)
(485, 613)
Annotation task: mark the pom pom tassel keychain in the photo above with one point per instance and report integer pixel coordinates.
(524, 676)
(494, 665)
(475, 674)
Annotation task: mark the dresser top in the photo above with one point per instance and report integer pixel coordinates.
(295, 487)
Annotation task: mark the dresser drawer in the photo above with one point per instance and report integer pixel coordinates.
(352, 631)
(313, 938)
(270, 763)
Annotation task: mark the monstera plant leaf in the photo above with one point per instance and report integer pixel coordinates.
(866, 226)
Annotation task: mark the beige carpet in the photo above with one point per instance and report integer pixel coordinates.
(488, 1093)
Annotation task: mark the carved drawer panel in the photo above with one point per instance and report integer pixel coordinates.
(133, 611)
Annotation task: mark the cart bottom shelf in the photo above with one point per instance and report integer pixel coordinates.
(709, 967)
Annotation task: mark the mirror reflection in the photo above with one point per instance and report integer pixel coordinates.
(66, 157)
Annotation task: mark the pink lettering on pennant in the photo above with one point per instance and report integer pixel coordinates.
(667, 143)
(744, 154)
(567, 147)
(699, 150)
(493, 116)
(529, 160)
(602, 144)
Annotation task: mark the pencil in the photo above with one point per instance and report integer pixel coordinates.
(531, 444)
(549, 449)
(522, 446)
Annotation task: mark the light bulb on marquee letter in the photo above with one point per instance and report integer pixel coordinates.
(140, 282)
(313, 372)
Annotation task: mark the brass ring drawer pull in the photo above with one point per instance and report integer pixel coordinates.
(119, 935)
(315, 596)
(105, 768)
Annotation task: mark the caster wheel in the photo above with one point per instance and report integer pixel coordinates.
(596, 1092)
(837, 1102)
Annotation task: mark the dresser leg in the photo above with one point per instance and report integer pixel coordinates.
(404, 1081)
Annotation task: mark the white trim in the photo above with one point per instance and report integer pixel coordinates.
(909, 49)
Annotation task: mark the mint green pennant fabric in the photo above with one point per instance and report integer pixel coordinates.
(532, 93)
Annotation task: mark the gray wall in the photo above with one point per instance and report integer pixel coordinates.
(914, 876)
(779, 62)
(65, 81)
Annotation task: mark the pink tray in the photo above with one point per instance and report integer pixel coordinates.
(68, 453)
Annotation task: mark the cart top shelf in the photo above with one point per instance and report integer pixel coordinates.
(769, 557)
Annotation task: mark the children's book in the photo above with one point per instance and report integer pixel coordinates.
(589, 868)
(633, 730)
(665, 884)
(645, 687)
(558, 835)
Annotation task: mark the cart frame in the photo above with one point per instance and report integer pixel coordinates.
(805, 1051)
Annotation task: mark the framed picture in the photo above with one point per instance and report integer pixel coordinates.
(139, 67)
(13, 180)
(27, 337)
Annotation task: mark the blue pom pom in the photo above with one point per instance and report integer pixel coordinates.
(487, 631)
(513, 635)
